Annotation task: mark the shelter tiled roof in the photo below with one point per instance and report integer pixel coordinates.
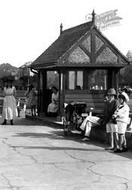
(68, 37)
(54, 55)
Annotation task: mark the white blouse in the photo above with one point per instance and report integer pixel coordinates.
(122, 113)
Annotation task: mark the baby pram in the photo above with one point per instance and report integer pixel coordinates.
(73, 116)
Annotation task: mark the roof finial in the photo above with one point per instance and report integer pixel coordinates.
(93, 17)
(61, 28)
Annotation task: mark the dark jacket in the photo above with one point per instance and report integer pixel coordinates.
(109, 110)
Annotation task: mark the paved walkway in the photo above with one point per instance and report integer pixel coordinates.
(34, 156)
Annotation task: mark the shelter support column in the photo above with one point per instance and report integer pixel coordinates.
(113, 78)
(38, 100)
(42, 86)
(61, 92)
(115, 75)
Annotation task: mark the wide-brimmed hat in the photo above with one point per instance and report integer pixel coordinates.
(124, 95)
(111, 91)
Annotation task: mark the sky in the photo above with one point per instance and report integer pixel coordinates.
(28, 27)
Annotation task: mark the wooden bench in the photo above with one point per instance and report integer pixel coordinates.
(95, 101)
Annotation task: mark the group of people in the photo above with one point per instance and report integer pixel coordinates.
(11, 105)
(115, 118)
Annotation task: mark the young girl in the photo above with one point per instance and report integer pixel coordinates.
(122, 116)
(31, 95)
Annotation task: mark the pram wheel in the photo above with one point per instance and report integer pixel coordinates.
(65, 127)
(67, 130)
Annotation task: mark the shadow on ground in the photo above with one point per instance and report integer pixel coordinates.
(58, 134)
(25, 122)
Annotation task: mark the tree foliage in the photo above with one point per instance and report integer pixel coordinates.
(7, 69)
(126, 76)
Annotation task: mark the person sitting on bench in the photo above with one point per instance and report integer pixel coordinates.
(53, 106)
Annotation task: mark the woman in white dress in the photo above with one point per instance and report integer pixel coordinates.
(53, 106)
(9, 111)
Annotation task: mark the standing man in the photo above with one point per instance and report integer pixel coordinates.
(111, 125)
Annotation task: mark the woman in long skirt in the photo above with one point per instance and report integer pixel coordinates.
(9, 111)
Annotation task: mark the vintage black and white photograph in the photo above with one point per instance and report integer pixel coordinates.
(65, 95)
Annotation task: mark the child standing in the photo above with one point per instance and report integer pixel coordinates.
(122, 117)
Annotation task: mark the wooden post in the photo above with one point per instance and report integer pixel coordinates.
(115, 78)
(61, 92)
(40, 91)
(42, 86)
(109, 81)
(38, 101)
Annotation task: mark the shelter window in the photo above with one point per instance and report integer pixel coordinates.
(75, 80)
(52, 79)
(97, 79)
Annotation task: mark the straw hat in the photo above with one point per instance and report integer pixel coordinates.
(111, 91)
